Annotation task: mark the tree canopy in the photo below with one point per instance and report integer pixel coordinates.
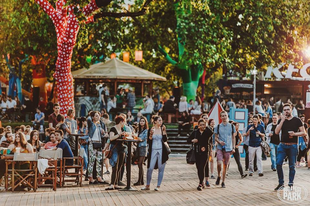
(230, 34)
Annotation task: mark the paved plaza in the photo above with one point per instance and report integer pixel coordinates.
(178, 188)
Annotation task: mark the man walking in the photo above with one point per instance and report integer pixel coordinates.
(291, 128)
(224, 136)
(257, 134)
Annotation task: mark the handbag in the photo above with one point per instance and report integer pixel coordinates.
(190, 156)
(265, 147)
(97, 145)
(167, 148)
(108, 153)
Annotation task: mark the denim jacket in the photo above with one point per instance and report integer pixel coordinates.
(143, 137)
(92, 127)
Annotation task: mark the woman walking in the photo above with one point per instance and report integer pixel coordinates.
(201, 139)
(236, 154)
(157, 136)
(142, 148)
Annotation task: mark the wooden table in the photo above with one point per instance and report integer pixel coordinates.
(128, 163)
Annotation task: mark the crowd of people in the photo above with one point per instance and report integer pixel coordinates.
(98, 138)
(280, 125)
(286, 138)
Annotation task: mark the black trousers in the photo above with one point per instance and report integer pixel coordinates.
(301, 153)
(207, 168)
(237, 159)
(186, 128)
(2, 168)
(201, 162)
(116, 170)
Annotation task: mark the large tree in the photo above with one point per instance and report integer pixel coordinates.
(232, 34)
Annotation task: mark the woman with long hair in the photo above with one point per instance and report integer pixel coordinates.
(236, 154)
(142, 147)
(157, 136)
(201, 139)
(118, 151)
(20, 142)
(34, 141)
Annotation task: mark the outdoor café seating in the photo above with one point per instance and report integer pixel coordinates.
(48, 177)
(21, 171)
(73, 172)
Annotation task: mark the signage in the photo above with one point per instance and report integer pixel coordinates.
(240, 85)
(290, 70)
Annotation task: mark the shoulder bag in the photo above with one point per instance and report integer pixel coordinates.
(265, 147)
(108, 153)
(166, 145)
(190, 154)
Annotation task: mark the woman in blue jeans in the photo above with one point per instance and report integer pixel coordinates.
(273, 139)
(157, 155)
(142, 148)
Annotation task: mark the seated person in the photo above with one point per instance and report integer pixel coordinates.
(20, 142)
(52, 144)
(169, 106)
(63, 126)
(63, 144)
(184, 123)
(34, 140)
(8, 140)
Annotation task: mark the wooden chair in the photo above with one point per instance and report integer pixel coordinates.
(22, 176)
(50, 174)
(73, 173)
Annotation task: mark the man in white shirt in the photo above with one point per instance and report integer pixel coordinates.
(148, 107)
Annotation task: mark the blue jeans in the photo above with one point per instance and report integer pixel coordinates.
(273, 154)
(283, 151)
(85, 147)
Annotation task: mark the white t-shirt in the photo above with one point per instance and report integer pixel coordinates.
(4, 105)
(96, 137)
(259, 109)
(11, 104)
(2, 139)
(183, 106)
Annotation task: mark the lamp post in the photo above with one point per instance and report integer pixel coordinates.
(254, 72)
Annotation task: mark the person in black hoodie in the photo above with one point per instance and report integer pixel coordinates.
(169, 106)
(201, 139)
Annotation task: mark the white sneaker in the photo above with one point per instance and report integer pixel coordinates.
(156, 189)
(145, 188)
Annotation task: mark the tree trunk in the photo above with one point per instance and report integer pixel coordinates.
(66, 26)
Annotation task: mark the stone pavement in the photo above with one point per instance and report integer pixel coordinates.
(178, 188)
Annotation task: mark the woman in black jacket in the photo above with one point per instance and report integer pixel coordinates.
(201, 139)
(158, 155)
